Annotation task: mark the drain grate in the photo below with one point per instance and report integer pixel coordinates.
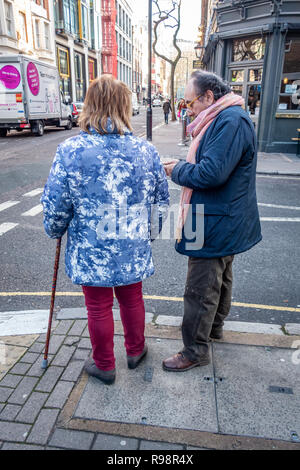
(277, 389)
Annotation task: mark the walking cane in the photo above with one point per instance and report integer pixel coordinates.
(56, 264)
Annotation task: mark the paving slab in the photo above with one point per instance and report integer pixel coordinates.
(24, 322)
(80, 313)
(110, 442)
(257, 391)
(148, 395)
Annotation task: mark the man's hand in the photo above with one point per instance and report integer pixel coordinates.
(169, 165)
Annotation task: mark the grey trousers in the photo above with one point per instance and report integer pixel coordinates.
(207, 301)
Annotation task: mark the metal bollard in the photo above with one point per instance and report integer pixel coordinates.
(183, 135)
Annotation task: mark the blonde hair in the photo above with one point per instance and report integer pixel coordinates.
(106, 98)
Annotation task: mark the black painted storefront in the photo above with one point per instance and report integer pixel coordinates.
(256, 47)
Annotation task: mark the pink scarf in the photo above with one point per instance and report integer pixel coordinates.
(198, 128)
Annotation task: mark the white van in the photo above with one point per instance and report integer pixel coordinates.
(135, 104)
(30, 97)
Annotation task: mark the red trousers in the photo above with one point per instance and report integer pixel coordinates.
(99, 303)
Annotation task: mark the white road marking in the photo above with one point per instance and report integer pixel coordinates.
(295, 208)
(6, 226)
(34, 192)
(34, 211)
(280, 219)
(7, 204)
(279, 177)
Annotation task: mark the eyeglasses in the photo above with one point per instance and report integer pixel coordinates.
(190, 103)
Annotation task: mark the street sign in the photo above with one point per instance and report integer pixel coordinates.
(197, 64)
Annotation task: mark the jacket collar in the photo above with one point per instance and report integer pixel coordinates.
(110, 129)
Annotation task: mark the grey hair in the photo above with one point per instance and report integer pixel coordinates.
(204, 81)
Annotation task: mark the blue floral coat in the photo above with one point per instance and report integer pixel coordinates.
(102, 188)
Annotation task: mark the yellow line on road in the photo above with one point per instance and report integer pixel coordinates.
(149, 297)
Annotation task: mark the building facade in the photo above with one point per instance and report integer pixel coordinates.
(255, 46)
(123, 31)
(26, 28)
(78, 40)
(137, 61)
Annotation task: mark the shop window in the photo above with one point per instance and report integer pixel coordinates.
(236, 76)
(289, 97)
(255, 75)
(251, 48)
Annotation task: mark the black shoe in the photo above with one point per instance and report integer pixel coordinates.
(133, 361)
(216, 334)
(106, 376)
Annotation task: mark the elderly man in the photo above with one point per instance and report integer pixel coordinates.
(218, 180)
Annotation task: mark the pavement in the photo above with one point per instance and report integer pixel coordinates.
(248, 398)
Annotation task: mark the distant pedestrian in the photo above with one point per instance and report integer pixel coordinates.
(101, 186)
(167, 108)
(219, 184)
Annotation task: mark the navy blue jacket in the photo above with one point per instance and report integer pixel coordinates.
(223, 180)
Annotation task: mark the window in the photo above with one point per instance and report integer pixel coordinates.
(74, 17)
(79, 76)
(37, 34)
(22, 25)
(8, 18)
(290, 81)
(84, 21)
(64, 71)
(92, 70)
(251, 48)
(120, 16)
(63, 62)
(47, 35)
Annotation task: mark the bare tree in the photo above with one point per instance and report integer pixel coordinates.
(170, 18)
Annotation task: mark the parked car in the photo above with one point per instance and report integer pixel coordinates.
(30, 96)
(156, 102)
(75, 114)
(76, 109)
(135, 105)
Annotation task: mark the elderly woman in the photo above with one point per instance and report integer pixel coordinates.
(104, 187)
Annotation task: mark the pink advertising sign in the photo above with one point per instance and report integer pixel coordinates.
(33, 79)
(10, 77)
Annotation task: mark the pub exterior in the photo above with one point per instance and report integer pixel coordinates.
(255, 46)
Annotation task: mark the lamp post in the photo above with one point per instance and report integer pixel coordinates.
(199, 51)
(149, 107)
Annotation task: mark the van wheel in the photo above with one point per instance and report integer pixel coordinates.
(3, 132)
(69, 126)
(38, 128)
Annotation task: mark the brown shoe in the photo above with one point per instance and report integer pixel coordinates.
(180, 363)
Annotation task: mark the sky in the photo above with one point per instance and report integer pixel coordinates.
(190, 16)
